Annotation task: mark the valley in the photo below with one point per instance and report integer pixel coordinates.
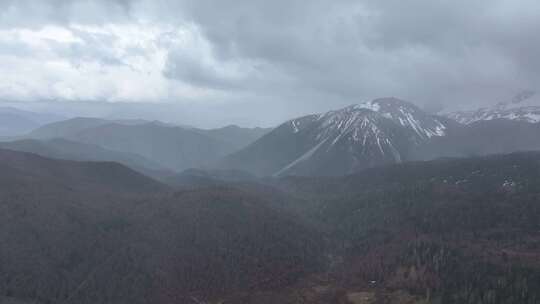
(374, 203)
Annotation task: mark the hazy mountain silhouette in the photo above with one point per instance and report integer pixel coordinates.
(15, 122)
(171, 147)
(70, 150)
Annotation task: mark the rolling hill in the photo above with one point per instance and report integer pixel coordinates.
(69, 150)
(89, 232)
(171, 147)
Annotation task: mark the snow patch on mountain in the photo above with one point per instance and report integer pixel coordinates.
(370, 105)
(407, 115)
(524, 107)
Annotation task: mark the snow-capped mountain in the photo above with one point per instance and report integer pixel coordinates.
(419, 123)
(523, 107)
(342, 141)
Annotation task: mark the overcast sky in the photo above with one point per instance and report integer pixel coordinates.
(258, 62)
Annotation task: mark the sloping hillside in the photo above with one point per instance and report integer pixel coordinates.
(87, 176)
(99, 233)
(447, 231)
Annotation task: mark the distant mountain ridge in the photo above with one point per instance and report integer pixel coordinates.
(175, 148)
(14, 122)
(524, 107)
(167, 146)
(369, 134)
(69, 127)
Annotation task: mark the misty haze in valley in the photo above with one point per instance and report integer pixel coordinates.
(269, 152)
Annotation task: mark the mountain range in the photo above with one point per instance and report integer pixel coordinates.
(369, 134)
(379, 132)
(157, 145)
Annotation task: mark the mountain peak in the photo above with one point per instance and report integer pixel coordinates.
(340, 141)
(407, 115)
(392, 101)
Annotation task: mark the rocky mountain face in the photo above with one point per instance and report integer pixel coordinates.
(524, 107)
(338, 142)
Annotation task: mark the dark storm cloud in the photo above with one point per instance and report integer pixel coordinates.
(306, 56)
(427, 51)
(191, 69)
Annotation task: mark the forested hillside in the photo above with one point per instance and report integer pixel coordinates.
(447, 231)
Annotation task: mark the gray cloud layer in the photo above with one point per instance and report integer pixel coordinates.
(293, 56)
